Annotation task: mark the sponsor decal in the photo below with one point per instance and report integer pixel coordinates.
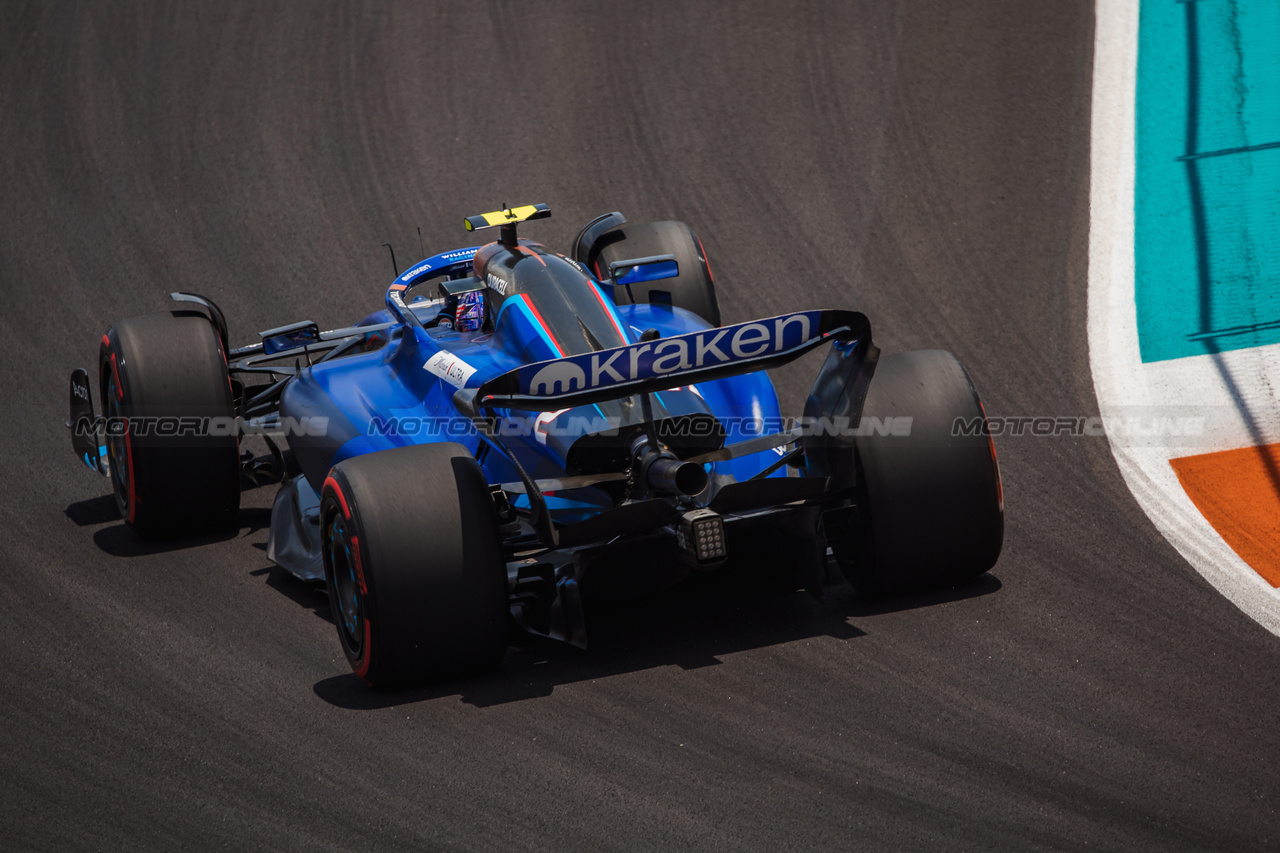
(418, 270)
(692, 351)
(427, 266)
(497, 284)
(450, 368)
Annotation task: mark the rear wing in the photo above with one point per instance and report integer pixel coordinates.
(664, 363)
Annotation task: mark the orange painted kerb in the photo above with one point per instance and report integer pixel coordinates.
(1238, 492)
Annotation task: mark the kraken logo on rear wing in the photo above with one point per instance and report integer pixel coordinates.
(667, 362)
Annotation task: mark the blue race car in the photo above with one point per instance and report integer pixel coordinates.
(535, 429)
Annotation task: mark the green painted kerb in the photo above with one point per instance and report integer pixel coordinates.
(1207, 189)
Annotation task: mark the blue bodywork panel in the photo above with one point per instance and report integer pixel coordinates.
(540, 306)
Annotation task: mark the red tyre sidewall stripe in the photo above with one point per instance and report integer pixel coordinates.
(991, 445)
(131, 499)
(133, 489)
(115, 372)
(331, 483)
(361, 668)
(355, 549)
(706, 263)
(362, 671)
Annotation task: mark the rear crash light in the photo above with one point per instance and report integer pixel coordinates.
(701, 536)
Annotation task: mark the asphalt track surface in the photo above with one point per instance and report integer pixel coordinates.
(924, 162)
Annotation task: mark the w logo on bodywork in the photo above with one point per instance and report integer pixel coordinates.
(558, 378)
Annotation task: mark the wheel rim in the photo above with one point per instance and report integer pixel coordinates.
(346, 584)
(117, 446)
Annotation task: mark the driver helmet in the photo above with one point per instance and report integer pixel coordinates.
(470, 316)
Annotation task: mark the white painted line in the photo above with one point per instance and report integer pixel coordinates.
(1120, 378)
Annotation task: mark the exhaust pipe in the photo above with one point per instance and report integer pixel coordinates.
(663, 472)
(668, 475)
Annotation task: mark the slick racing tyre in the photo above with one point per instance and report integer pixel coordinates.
(930, 509)
(692, 290)
(172, 444)
(413, 564)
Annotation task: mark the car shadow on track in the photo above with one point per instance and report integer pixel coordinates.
(689, 627)
(309, 595)
(119, 541)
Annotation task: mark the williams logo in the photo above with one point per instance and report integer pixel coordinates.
(558, 378)
(438, 262)
(689, 352)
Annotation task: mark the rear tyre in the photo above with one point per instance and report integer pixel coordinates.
(930, 510)
(414, 565)
(173, 471)
(693, 289)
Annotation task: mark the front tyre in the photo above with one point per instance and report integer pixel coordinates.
(692, 290)
(414, 564)
(172, 443)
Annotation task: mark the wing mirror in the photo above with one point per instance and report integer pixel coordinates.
(637, 270)
(459, 286)
(289, 337)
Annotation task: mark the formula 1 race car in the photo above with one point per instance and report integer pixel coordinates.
(539, 430)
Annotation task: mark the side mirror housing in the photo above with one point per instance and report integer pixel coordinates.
(289, 337)
(637, 270)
